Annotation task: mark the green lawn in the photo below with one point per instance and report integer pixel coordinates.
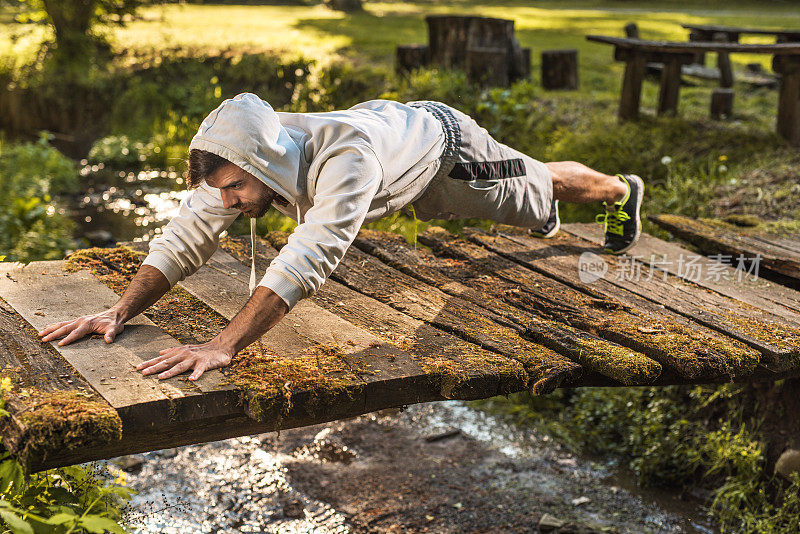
(318, 32)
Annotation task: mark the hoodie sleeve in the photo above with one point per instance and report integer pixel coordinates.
(346, 184)
(192, 236)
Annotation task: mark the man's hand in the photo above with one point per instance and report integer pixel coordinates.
(260, 313)
(176, 360)
(109, 323)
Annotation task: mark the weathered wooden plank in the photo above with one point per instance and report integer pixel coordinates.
(594, 353)
(43, 383)
(464, 369)
(689, 349)
(366, 274)
(697, 46)
(43, 293)
(711, 28)
(778, 343)
(672, 258)
(721, 239)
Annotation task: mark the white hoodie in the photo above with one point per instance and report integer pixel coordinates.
(338, 170)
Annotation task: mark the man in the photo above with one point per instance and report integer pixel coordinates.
(333, 172)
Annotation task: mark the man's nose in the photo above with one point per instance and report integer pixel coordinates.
(227, 200)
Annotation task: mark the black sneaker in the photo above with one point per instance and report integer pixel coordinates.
(552, 225)
(623, 224)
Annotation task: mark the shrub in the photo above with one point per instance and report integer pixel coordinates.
(31, 227)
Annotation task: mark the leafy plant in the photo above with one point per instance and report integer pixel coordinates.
(31, 227)
(58, 501)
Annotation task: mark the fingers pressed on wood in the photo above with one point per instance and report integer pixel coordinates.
(160, 365)
(52, 327)
(62, 331)
(76, 334)
(177, 369)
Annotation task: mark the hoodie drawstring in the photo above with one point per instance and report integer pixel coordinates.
(252, 255)
(253, 249)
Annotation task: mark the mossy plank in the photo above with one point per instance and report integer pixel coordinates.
(718, 239)
(368, 275)
(376, 369)
(666, 256)
(542, 269)
(461, 369)
(41, 383)
(594, 353)
(777, 337)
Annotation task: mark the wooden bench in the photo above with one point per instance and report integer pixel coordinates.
(731, 34)
(473, 317)
(636, 53)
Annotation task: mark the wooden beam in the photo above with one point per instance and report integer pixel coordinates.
(788, 124)
(631, 94)
(670, 88)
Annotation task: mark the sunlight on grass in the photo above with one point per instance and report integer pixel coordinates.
(321, 33)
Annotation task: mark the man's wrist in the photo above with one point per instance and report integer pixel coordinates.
(121, 315)
(225, 345)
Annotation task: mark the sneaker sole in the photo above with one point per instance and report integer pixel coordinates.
(551, 233)
(639, 199)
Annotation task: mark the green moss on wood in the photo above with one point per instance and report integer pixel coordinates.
(52, 421)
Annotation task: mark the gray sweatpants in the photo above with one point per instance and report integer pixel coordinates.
(483, 178)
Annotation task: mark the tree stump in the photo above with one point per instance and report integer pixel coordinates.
(488, 66)
(721, 103)
(410, 57)
(560, 69)
(347, 6)
(450, 36)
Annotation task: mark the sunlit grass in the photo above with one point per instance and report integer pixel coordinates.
(318, 32)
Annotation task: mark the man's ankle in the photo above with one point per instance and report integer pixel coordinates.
(620, 189)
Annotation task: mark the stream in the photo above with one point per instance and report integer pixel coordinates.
(438, 467)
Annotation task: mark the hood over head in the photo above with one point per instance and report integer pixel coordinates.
(245, 130)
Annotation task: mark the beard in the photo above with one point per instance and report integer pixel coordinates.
(260, 206)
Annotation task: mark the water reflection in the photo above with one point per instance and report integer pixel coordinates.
(123, 205)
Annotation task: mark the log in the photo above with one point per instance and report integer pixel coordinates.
(410, 57)
(488, 67)
(721, 103)
(560, 69)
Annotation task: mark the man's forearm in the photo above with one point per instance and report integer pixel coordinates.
(147, 286)
(262, 311)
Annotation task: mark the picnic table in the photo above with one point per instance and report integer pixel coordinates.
(636, 53)
(471, 317)
(731, 34)
(706, 32)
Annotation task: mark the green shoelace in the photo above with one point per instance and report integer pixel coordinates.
(613, 220)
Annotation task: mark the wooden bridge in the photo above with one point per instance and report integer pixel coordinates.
(487, 314)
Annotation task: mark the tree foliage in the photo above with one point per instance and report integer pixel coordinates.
(75, 24)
